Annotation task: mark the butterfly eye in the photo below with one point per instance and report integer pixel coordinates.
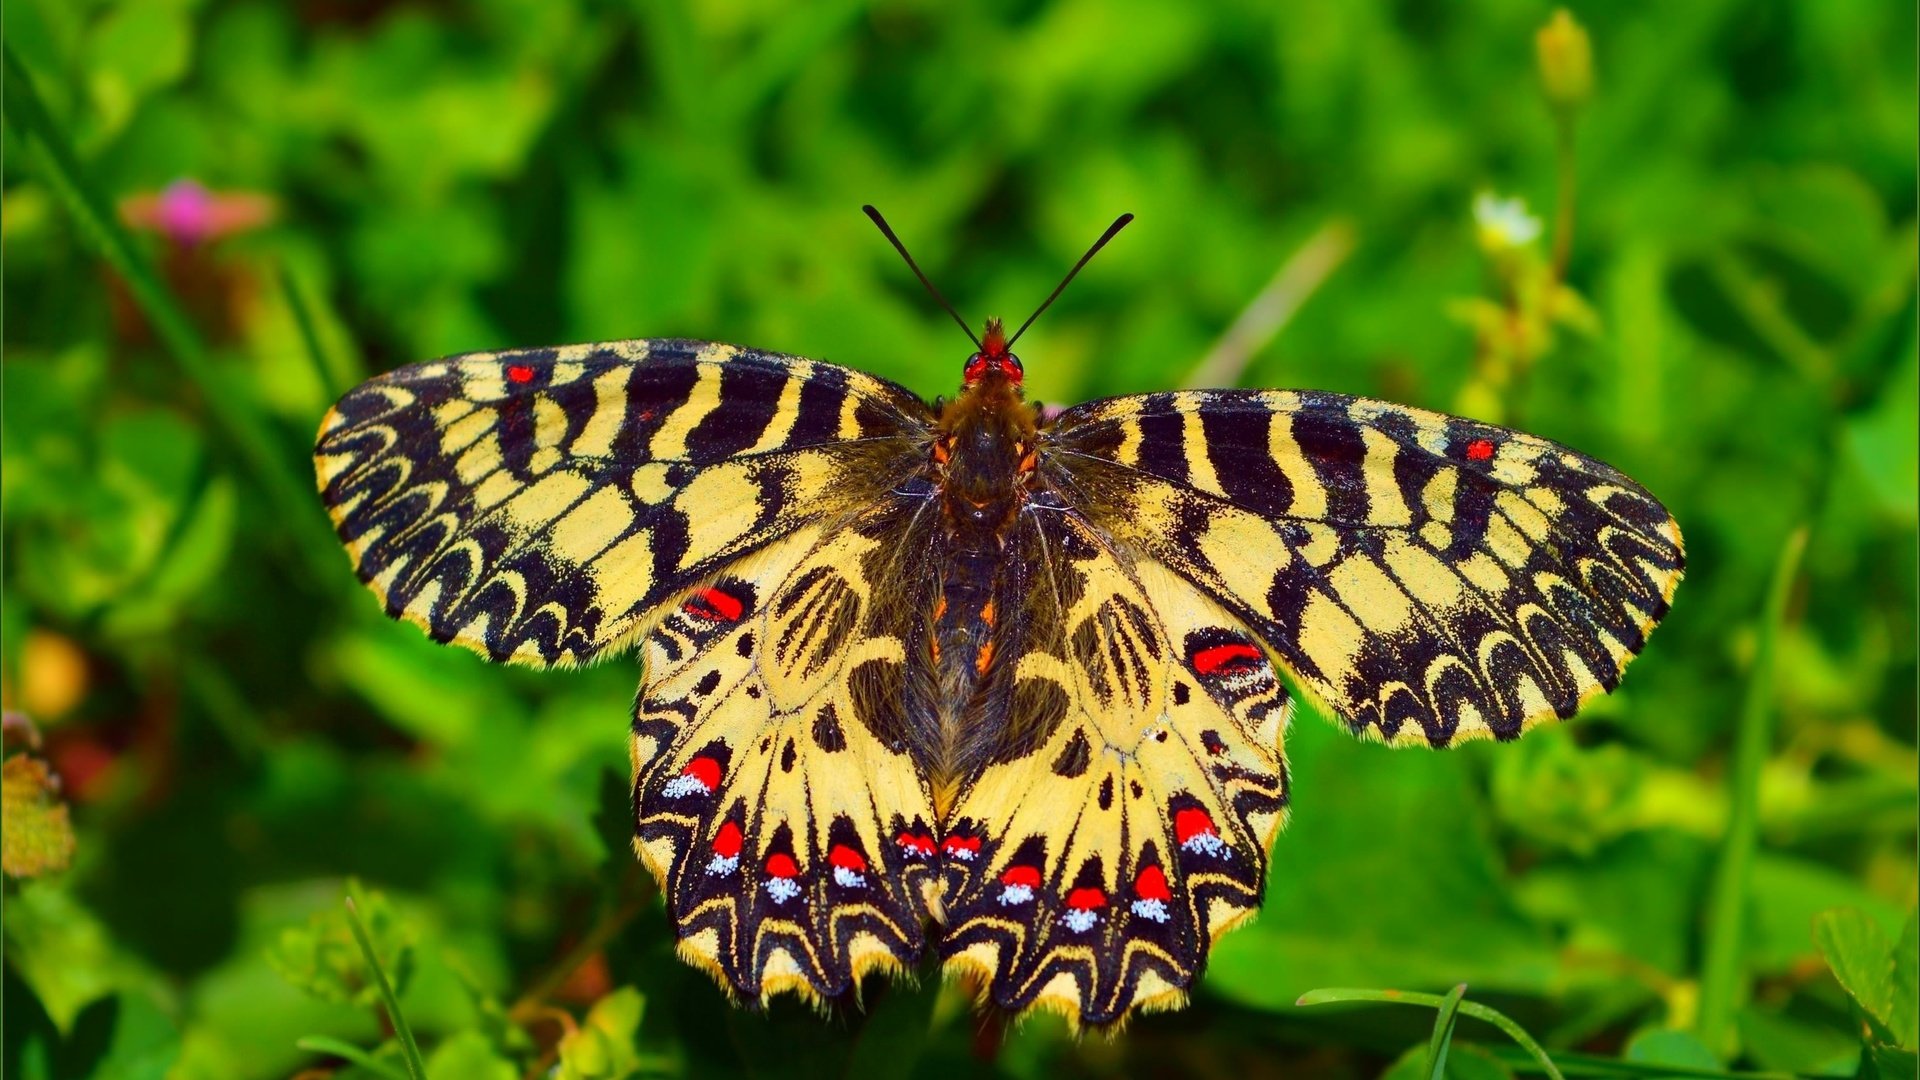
(976, 367)
(1011, 367)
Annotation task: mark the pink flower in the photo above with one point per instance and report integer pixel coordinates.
(189, 214)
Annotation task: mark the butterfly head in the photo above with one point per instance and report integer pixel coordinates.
(994, 358)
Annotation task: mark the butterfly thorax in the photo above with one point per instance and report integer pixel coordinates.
(982, 460)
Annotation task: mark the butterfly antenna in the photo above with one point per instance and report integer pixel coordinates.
(887, 231)
(1112, 231)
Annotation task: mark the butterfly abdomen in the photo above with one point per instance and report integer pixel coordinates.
(982, 458)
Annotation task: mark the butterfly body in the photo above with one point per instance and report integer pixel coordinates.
(957, 680)
(982, 470)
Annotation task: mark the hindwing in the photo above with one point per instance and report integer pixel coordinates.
(1428, 578)
(769, 799)
(1126, 825)
(537, 506)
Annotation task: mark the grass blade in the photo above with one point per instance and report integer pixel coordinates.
(1407, 997)
(1589, 1065)
(321, 1044)
(333, 378)
(1723, 974)
(27, 115)
(407, 1045)
(1442, 1038)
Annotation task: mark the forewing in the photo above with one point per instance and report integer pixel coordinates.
(537, 506)
(1429, 578)
(771, 799)
(1106, 850)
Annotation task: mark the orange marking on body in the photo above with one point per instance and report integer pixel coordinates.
(985, 658)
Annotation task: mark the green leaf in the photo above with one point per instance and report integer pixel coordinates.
(1893, 1063)
(1336, 911)
(65, 954)
(604, 1046)
(1668, 1046)
(1442, 1037)
(1787, 1042)
(325, 959)
(145, 1043)
(1903, 1008)
(321, 1044)
(1879, 442)
(1857, 950)
(468, 1056)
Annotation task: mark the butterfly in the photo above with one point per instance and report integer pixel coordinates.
(962, 679)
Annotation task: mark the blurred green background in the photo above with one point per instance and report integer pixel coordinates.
(219, 214)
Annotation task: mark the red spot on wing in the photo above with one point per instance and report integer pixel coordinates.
(1218, 658)
(1151, 884)
(520, 373)
(726, 843)
(957, 844)
(846, 858)
(1087, 899)
(780, 864)
(704, 769)
(915, 843)
(714, 605)
(1192, 822)
(1021, 875)
(1479, 449)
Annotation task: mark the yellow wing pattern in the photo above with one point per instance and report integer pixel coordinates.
(536, 506)
(782, 820)
(1428, 578)
(1134, 832)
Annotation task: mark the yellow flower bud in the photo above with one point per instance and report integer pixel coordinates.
(1565, 54)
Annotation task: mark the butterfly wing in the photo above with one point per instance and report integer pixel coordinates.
(1126, 826)
(538, 506)
(773, 796)
(1428, 578)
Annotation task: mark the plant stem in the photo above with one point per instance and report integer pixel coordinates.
(1723, 971)
(409, 1048)
(1563, 200)
(1268, 313)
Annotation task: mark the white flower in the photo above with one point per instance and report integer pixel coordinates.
(1504, 224)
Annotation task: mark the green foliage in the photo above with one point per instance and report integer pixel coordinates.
(325, 959)
(1878, 974)
(1679, 237)
(604, 1046)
